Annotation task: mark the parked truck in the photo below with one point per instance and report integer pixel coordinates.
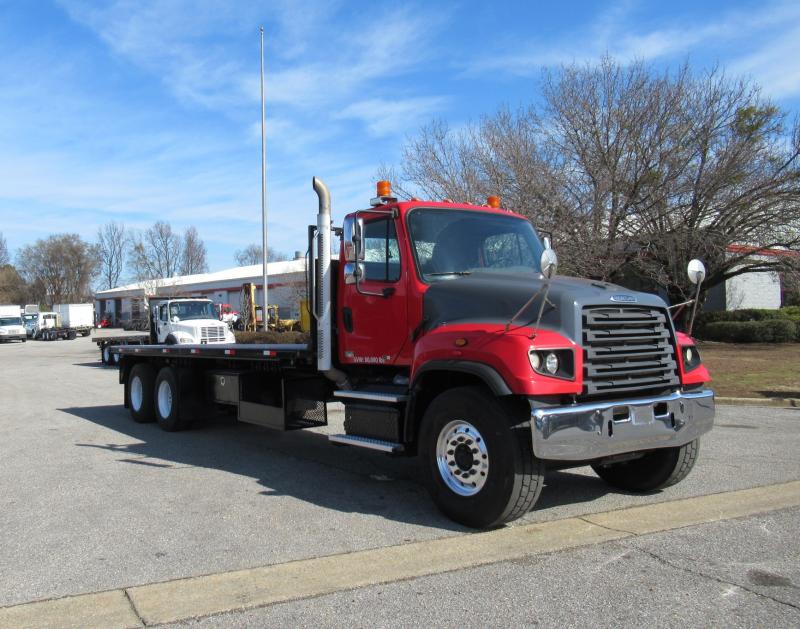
(11, 325)
(65, 321)
(445, 333)
(172, 322)
(78, 318)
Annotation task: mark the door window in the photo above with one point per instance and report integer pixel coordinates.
(381, 251)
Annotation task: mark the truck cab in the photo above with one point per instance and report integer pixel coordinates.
(11, 326)
(188, 321)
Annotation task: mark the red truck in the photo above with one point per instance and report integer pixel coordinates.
(445, 333)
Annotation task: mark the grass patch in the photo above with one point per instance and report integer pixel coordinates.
(753, 370)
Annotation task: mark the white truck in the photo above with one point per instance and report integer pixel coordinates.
(188, 321)
(65, 321)
(76, 317)
(11, 327)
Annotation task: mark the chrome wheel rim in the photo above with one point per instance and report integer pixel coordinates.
(462, 458)
(137, 393)
(164, 399)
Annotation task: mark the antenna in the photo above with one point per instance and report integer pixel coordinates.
(264, 277)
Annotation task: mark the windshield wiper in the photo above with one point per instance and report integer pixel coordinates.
(449, 273)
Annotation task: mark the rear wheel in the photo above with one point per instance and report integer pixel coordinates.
(140, 393)
(105, 355)
(167, 400)
(655, 470)
(478, 458)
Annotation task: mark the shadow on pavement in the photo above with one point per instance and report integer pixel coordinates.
(304, 465)
(96, 363)
(301, 464)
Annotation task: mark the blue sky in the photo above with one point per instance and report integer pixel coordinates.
(140, 111)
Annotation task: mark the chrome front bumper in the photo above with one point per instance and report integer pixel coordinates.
(583, 432)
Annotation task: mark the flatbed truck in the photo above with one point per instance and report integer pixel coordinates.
(445, 333)
(106, 338)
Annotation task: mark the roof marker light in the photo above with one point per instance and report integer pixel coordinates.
(384, 188)
(493, 201)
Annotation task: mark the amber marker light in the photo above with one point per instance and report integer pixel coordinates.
(461, 342)
(493, 202)
(384, 188)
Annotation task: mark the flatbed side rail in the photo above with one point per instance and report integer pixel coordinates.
(230, 351)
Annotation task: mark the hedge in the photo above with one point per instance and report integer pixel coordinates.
(271, 337)
(765, 331)
(752, 315)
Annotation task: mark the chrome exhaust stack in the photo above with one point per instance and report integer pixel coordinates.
(323, 312)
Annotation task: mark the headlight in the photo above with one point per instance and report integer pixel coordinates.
(184, 340)
(691, 357)
(557, 363)
(3, 331)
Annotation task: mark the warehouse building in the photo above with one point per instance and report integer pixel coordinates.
(286, 287)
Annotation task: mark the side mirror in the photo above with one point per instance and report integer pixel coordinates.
(549, 263)
(352, 239)
(353, 272)
(696, 271)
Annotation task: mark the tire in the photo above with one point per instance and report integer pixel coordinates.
(105, 355)
(140, 393)
(71, 335)
(171, 340)
(655, 470)
(167, 400)
(513, 476)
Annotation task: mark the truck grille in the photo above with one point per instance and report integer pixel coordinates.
(627, 348)
(212, 334)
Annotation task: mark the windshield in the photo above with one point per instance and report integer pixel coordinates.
(30, 317)
(461, 242)
(10, 321)
(185, 310)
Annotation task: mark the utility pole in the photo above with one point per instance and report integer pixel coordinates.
(264, 277)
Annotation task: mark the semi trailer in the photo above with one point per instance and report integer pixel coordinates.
(445, 332)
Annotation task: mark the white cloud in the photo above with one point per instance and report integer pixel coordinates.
(388, 117)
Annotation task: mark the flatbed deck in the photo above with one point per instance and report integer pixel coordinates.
(229, 351)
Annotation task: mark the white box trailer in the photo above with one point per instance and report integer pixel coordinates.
(66, 321)
(76, 316)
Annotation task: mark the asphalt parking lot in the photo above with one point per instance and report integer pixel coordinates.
(93, 502)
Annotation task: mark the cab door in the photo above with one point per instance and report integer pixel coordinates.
(372, 314)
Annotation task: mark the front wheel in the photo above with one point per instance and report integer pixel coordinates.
(478, 459)
(655, 470)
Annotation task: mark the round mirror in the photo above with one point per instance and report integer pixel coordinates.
(549, 263)
(696, 271)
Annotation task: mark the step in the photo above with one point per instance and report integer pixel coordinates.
(372, 396)
(366, 442)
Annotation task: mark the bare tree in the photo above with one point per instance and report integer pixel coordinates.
(4, 258)
(253, 254)
(112, 241)
(59, 269)
(156, 253)
(632, 170)
(193, 256)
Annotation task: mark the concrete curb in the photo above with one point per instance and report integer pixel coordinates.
(780, 402)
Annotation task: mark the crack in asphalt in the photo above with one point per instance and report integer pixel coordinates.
(711, 577)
